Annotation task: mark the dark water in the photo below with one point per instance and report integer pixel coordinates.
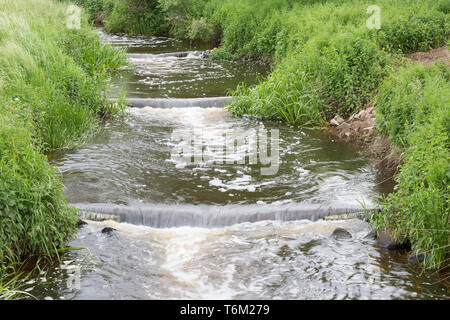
(218, 227)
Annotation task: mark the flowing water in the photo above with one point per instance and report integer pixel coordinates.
(219, 227)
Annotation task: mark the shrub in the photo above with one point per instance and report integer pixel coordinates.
(412, 106)
(318, 82)
(415, 33)
(408, 97)
(223, 54)
(136, 17)
(418, 210)
(200, 30)
(34, 216)
(444, 6)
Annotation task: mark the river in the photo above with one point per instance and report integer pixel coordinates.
(212, 224)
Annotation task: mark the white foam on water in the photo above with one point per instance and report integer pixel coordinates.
(265, 259)
(192, 116)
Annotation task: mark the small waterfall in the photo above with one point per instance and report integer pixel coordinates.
(209, 216)
(215, 102)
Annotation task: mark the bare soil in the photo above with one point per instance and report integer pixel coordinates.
(433, 55)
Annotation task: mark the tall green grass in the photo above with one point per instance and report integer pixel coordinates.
(12, 283)
(412, 108)
(53, 82)
(328, 61)
(335, 75)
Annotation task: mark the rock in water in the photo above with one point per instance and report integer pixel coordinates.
(80, 223)
(386, 241)
(108, 230)
(340, 233)
(372, 235)
(416, 258)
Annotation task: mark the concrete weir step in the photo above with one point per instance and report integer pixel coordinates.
(163, 216)
(182, 54)
(213, 102)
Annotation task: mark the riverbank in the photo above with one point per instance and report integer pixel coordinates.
(52, 85)
(360, 128)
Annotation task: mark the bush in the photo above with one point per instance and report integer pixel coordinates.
(136, 17)
(96, 8)
(415, 33)
(412, 106)
(409, 97)
(418, 210)
(444, 6)
(313, 85)
(35, 218)
(200, 30)
(223, 54)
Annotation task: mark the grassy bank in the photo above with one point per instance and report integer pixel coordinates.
(52, 96)
(412, 107)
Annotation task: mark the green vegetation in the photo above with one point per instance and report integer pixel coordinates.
(338, 76)
(329, 61)
(412, 108)
(11, 283)
(52, 96)
(127, 16)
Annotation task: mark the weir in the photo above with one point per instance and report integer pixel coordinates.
(168, 216)
(167, 103)
(183, 54)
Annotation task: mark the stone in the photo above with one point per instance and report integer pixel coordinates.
(352, 117)
(372, 235)
(343, 125)
(416, 258)
(205, 54)
(108, 230)
(337, 120)
(386, 241)
(334, 123)
(80, 223)
(341, 233)
(362, 115)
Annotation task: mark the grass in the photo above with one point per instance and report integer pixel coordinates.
(338, 75)
(53, 83)
(412, 108)
(11, 283)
